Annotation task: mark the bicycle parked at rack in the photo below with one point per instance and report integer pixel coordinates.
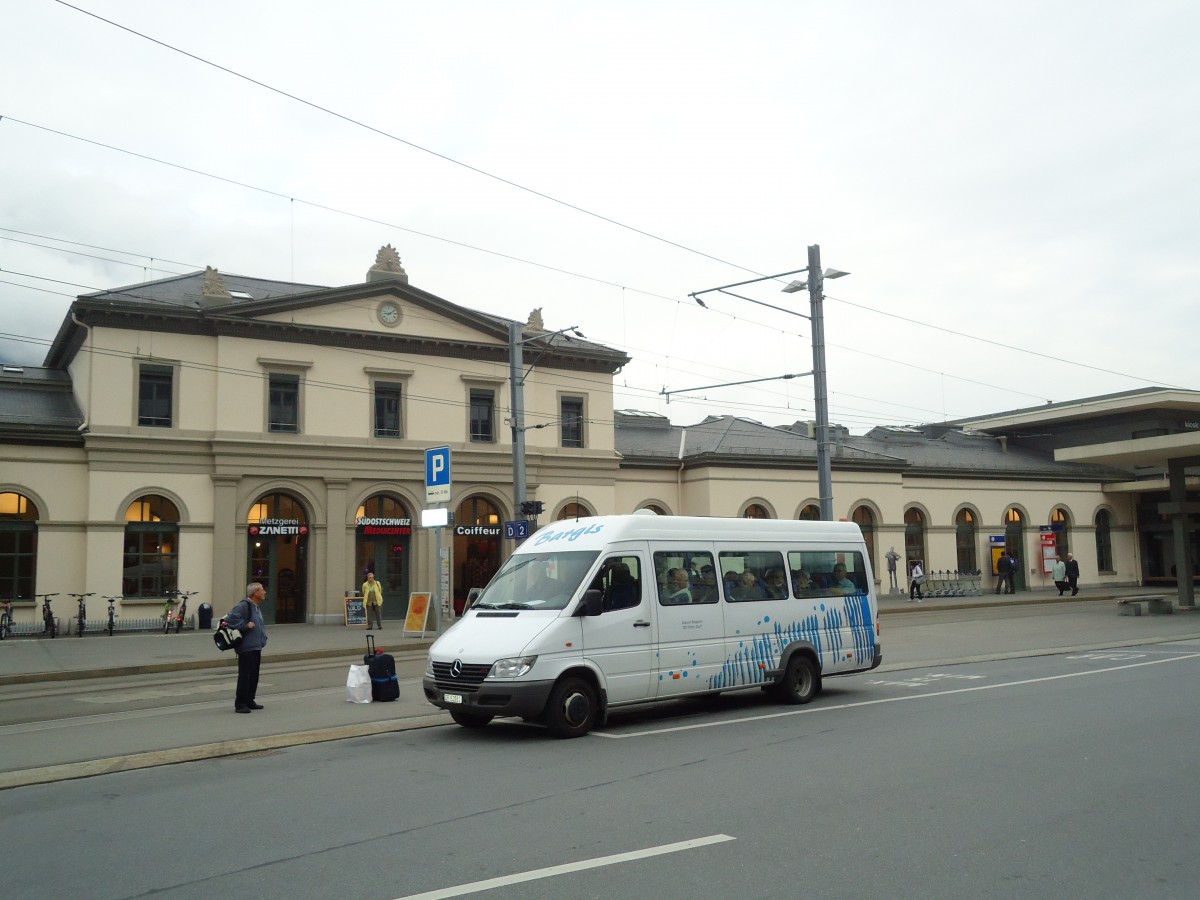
(81, 601)
(181, 612)
(168, 614)
(48, 615)
(6, 620)
(112, 614)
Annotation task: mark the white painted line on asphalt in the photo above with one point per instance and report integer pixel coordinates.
(819, 709)
(568, 868)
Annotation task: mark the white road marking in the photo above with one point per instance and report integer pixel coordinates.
(567, 868)
(819, 709)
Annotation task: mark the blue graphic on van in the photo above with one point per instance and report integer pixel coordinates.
(569, 534)
(823, 629)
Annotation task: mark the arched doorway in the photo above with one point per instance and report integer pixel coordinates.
(1014, 543)
(18, 546)
(277, 539)
(864, 518)
(477, 533)
(914, 539)
(383, 546)
(151, 560)
(1060, 526)
(573, 510)
(964, 541)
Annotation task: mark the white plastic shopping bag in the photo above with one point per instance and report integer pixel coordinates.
(358, 685)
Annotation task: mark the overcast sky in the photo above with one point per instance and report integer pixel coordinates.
(1014, 188)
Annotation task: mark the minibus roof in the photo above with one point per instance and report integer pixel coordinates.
(595, 532)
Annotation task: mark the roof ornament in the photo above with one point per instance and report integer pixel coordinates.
(212, 289)
(535, 321)
(387, 266)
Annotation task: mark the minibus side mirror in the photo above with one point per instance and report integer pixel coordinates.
(592, 603)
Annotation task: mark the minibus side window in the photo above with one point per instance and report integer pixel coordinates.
(826, 573)
(619, 582)
(753, 575)
(685, 576)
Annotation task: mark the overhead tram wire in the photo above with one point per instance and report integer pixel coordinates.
(386, 134)
(592, 278)
(341, 212)
(1003, 345)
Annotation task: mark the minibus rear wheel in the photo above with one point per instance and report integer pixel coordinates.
(469, 720)
(801, 680)
(571, 709)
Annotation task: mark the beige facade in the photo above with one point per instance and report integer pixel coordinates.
(227, 470)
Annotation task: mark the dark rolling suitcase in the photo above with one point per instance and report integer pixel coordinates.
(382, 669)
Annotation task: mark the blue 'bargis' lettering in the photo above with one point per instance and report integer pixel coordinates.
(570, 535)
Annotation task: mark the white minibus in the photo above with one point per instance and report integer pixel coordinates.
(595, 614)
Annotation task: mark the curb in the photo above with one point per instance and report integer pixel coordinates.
(154, 758)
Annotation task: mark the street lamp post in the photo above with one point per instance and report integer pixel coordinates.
(517, 376)
(815, 284)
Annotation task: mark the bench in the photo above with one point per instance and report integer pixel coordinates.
(1156, 605)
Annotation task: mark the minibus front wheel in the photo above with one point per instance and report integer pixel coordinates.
(469, 720)
(801, 680)
(572, 708)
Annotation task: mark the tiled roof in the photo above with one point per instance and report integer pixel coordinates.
(37, 403)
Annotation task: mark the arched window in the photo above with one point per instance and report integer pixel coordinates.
(1014, 542)
(810, 513)
(756, 511)
(1060, 524)
(18, 546)
(865, 520)
(151, 564)
(964, 541)
(656, 509)
(1104, 557)
(914, 538)
(574, 511)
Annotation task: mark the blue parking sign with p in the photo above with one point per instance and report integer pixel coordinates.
(437, 475)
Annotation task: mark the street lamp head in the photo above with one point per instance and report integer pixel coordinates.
(795, 286)
(835, 273)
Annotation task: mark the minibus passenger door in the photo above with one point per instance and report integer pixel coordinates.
(620, 640)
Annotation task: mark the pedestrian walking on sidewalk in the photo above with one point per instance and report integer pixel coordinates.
(1060, 575)
(917, 578)
(1002, 572)
(372, 592)
(1073, 574)
(247, 618)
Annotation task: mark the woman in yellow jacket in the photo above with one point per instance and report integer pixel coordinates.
(372, 592)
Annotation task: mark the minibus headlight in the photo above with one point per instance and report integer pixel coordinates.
(429, 666)
(512, 668)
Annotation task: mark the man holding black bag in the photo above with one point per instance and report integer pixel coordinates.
(247, 618)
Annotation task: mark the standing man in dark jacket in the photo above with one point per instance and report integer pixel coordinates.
(1002, 572)
(1073, 573)
(247, 617)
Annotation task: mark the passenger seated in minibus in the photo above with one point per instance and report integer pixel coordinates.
(802, 583)
(677, 589)
(776, 588)
(747, 588)
(839, 584)
(704, 588)
(622, 591)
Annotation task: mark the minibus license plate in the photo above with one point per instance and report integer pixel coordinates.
(452, 698)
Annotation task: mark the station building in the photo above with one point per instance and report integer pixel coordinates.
(206, 430)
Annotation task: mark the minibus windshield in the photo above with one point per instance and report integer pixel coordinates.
(537, 580)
